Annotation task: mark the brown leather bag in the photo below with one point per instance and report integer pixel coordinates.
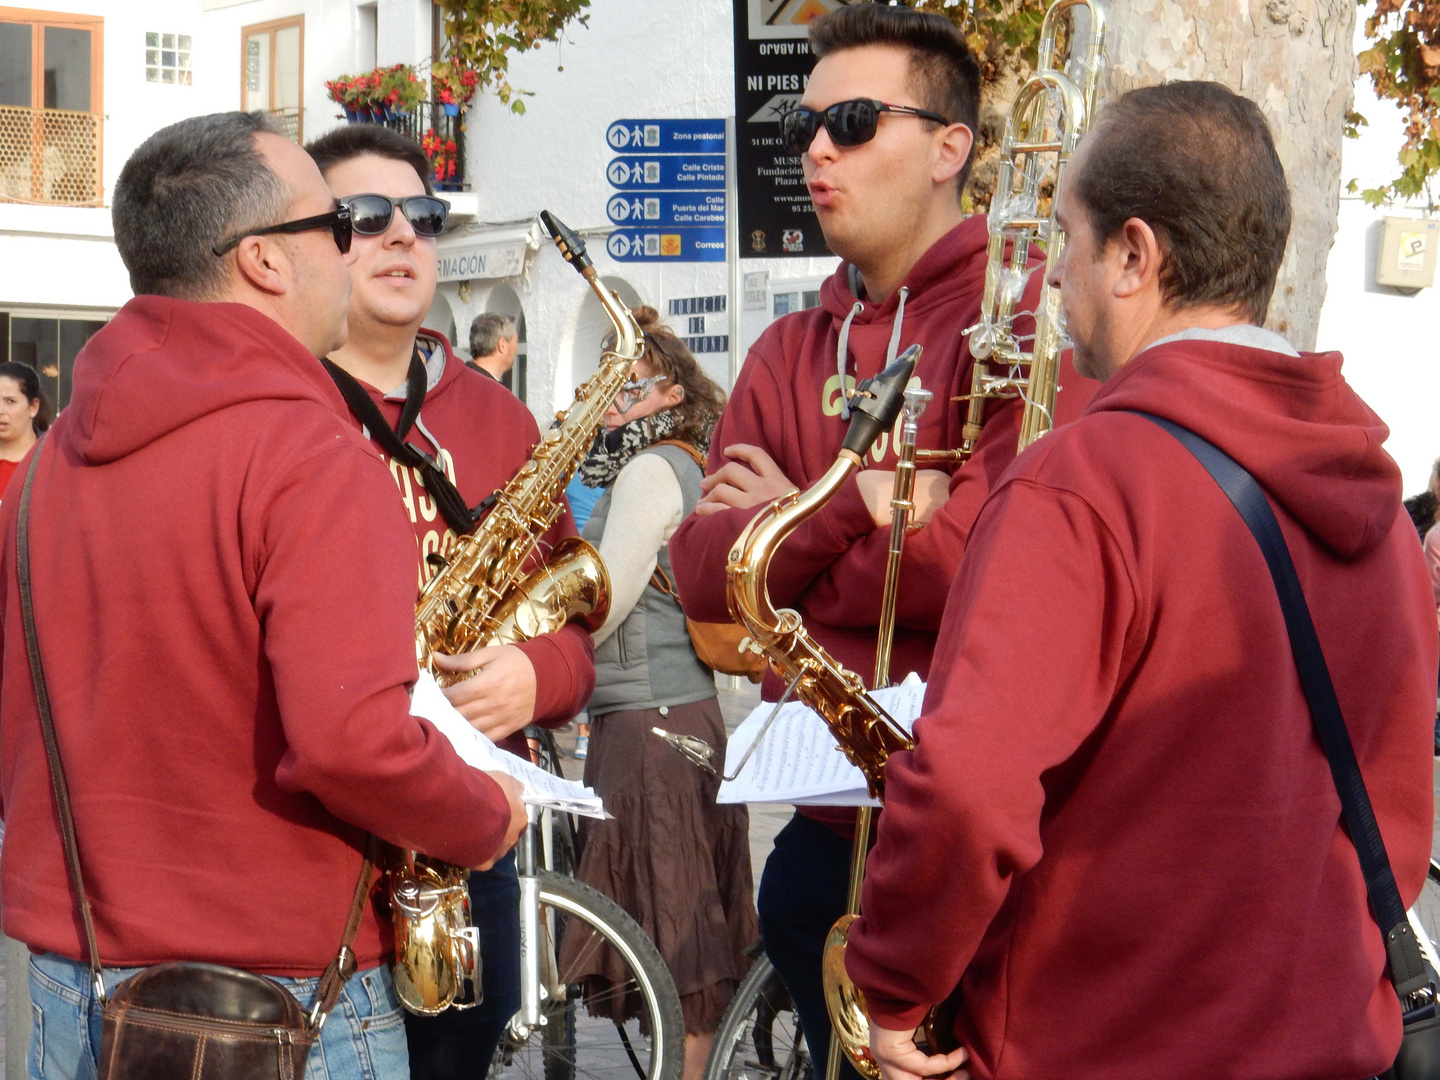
(183, 1021)
(717, 644)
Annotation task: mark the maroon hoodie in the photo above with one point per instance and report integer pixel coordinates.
(787, 401)
(483, 434)
(224, 594)
(1118, 825)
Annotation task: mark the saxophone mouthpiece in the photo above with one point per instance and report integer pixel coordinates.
(570, 245)
(877, 402)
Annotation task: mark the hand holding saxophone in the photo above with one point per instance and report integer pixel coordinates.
(499, 697)
(900, 1059)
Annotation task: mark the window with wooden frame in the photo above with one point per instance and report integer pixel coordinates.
(51, 105)
(272, 71)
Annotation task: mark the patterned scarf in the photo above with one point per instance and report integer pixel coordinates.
(613, 449)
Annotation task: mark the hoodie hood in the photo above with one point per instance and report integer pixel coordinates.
(1292, 421)
(162, 363)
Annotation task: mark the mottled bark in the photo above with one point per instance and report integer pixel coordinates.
(1296, 59)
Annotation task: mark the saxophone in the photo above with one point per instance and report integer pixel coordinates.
(482, 596)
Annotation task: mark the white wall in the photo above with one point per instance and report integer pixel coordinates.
(1389, 340)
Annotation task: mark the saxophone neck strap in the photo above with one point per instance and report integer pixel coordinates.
(332, 982)
(448, 500)
(1410, 975)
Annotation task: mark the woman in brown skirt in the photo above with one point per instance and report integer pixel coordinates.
(672, 858)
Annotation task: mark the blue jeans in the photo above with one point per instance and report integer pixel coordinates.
(803, 890)
(363, 1037)
(458, 1045)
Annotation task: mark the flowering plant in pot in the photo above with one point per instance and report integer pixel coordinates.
(443, 155)
(400, 89)
(454, 85)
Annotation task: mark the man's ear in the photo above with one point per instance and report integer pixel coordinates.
(1136, 253)
(265, 265)
(951, 152)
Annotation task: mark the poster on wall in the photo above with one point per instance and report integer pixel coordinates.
(772, 64)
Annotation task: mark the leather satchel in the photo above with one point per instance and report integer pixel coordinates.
(717, 644)
(183, 1021)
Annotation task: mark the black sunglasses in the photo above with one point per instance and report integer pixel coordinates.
(337, 221)
(370, 215)
(849, 123)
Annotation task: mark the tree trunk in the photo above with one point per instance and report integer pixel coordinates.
(1296, 59)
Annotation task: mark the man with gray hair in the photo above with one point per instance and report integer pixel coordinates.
(494, 342)
(232, 711)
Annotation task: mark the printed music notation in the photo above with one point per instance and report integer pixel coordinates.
(541, 788)
(797, 760)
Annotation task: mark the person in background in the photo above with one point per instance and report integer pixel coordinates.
(1423, 507)
(1430, 538)
(670, 856)
(24, 415)
(494, 342)
(582, 501)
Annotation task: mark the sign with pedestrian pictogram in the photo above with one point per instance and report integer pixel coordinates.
(666, 136)
(670, 178)
(668, 172)
(682, 208)
(667, 245)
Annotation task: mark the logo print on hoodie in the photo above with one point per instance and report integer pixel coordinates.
(421, 507)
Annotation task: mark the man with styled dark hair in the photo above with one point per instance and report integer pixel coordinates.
(422, 407)
(884, 134)
(1118, 832)
(232, 711)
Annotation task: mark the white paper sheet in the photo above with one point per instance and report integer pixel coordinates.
(541, 788)
(798, 761)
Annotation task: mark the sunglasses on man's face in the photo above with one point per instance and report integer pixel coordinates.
(371, 214)
(848, 123)
(337, 221)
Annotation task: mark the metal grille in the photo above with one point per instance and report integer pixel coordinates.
(289, 121)
(50, 156)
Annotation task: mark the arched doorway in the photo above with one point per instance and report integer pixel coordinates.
(503, 300)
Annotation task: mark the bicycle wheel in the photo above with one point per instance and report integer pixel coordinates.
(759, 1037)
(625, 1028)
(1425, 915)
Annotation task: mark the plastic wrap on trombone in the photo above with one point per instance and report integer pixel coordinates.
(541, 788)
(794, 759)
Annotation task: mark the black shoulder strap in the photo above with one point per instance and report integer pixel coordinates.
(1408, 971)
(451, 504)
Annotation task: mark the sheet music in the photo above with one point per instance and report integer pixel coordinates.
(798, 761)
(541, 788)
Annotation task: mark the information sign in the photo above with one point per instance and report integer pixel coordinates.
(672, 172)
(666, 136)
(667, 245)
(668, 208)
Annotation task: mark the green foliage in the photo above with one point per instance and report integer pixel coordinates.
(1404, 67)
(482, 34)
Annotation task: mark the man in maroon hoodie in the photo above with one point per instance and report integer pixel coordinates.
(221, 595)
(1118, 833)
(914, 272)
(478, 435)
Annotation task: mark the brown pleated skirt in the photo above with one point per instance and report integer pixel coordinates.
(672, 858)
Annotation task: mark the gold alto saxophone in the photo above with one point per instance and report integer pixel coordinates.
(1046, 120)
(483, 595)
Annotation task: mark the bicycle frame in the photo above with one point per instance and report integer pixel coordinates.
(536, 982)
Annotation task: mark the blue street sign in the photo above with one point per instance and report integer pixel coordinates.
(667, 245)
(705, 172)
(666, 136)
(667, 208)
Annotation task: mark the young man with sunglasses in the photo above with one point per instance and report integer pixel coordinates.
(884, 133)
(452, 438)
(229, 681)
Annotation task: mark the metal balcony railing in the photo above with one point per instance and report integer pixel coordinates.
(428, 117)
(50, 156)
